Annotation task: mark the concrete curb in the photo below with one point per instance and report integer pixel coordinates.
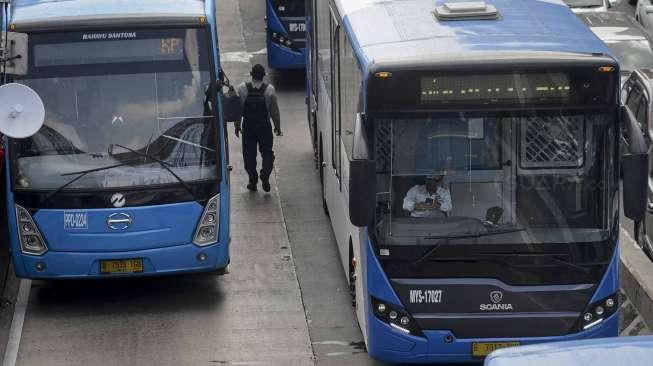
(7, 302)
(637, 280)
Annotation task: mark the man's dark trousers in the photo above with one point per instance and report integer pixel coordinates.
(258, 135)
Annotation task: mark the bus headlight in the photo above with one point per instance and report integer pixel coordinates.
(31, 240)
(596, 312)
(281, 39)
(207, 228)
(397, 318)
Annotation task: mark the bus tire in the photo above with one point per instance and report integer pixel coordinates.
(643, 241)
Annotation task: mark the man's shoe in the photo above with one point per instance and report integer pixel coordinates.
(266, 184)
(252, 187)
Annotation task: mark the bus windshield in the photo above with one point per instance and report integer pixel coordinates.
(120, 103)
(509, 177)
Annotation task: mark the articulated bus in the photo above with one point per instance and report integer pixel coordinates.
(469, 159)
(128, 175)
(286, 38)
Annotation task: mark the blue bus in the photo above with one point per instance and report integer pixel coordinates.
(286, 34)
(623, 351)
(129, 174)
(469, 160)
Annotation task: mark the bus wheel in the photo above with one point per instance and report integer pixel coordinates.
(352, 274)
(643, 240)
(322, 164)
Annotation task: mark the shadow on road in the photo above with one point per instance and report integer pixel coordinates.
(116, 295)
(288, 80)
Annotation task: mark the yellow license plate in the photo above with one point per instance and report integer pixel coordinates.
(122, 266)
(482, 349)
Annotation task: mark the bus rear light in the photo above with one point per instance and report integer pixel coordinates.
(395, 317)
(207, 229)
(31, 240)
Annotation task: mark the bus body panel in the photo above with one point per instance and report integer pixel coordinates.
(160, 261)
(164, 237)
(281, 56)
(50, 15)
(390, 345)
(87, 230)
(380, 37)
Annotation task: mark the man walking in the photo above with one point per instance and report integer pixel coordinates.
(259, 102)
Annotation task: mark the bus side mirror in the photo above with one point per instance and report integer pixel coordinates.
(231, 107)
(635, 164)
(362, 192)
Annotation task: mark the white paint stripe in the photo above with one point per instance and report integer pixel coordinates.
(241, 56)
(237, 56)
(334, 343)
(338, 354)
(16, 331)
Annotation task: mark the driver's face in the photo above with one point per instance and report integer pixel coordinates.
(432, 185)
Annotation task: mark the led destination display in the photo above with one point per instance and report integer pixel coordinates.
(495, 88)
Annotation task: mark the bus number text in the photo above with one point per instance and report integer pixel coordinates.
(297, 27)
(425, 296)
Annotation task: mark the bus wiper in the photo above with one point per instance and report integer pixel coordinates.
(81, 174)
(163, 164)
(445, 241)
(552, 256)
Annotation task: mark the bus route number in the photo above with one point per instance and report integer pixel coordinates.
(425, 296)
(170, 46)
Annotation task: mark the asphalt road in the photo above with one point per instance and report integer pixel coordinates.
(286, 300)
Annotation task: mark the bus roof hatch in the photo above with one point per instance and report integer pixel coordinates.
(466, 10)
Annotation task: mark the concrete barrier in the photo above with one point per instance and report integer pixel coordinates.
(637, 279)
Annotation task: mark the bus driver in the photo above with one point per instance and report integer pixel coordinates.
(429, 199)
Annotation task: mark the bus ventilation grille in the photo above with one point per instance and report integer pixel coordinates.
(552, 142)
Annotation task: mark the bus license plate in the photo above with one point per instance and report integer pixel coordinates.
(122, 266)
(482, 349)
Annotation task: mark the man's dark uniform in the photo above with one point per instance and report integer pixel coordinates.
(259, 106)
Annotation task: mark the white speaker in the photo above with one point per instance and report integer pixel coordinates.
(21, 111)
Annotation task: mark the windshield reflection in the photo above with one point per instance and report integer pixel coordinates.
(542, 177)
(157, 108)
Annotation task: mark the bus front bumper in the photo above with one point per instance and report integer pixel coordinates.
(280, 57)
(390, 345)
(159, 261)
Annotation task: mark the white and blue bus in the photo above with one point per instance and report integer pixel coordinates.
(129, 174)
(512, 109)
(286, 34)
